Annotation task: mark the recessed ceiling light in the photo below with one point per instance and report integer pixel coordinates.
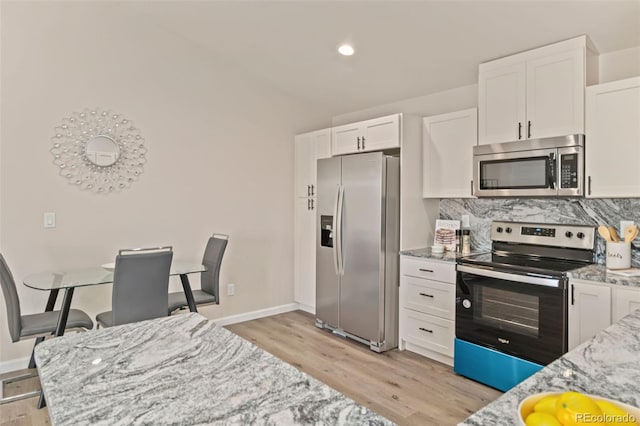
(346, 50)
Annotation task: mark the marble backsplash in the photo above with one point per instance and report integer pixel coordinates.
(567, 211)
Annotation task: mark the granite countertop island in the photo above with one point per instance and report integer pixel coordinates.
(600, 273)
(608, 366)
(185, 370)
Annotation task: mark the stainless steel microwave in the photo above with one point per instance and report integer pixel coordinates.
(531, 168)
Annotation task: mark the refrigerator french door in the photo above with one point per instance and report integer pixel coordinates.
(357, 247)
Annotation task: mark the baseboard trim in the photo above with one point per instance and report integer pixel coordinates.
(307, 308)
(261, 313)
(13, 365)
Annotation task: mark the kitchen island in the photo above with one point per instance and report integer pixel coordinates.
(608, 365)
(182, 369)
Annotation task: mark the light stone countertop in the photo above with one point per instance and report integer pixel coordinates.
(600, 273)
(186, 370)
(608, 365)
(425, 253)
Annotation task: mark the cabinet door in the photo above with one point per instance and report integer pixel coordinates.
(613, 139)
(447, 154)
(589, 311)
(344, 139)
(625, 301)
(555, 95)
(305, 253)
(501, 104)
(321, 149)
(304, 153)
(381, 133)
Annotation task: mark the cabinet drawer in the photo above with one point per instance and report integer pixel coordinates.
(429, 297)
(429, 332)
(432, 270)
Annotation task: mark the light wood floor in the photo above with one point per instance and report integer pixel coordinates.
(402, 386)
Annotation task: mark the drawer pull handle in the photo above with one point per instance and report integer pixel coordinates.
(426, 270)
(427, 330)
(426, 295)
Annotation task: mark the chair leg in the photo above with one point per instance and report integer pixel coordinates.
(5, 400)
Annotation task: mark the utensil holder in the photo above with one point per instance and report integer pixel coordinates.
(618, 255)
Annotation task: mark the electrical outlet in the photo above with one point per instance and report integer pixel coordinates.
(231, 289)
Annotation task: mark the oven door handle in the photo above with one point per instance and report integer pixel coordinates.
(548, 282)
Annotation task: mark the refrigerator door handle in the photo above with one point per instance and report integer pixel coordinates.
(338, 240)
(336, 266)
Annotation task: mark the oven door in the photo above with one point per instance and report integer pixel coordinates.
(521, 315)
(523, 173)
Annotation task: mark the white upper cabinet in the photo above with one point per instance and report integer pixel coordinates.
(535, 94)
(448, 141)
(309, 147)
(613, 139)
(370, 135)
(501, 102)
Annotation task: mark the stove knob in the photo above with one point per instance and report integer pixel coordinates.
(568, 234)
(499, 229)
(508, 230)
(580, 235)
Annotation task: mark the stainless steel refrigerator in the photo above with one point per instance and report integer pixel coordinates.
(357, 246)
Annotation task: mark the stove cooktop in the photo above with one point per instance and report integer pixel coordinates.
(523, 263)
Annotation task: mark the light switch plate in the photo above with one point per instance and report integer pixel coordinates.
(50, 220)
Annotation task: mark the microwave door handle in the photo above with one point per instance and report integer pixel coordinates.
(551, 171)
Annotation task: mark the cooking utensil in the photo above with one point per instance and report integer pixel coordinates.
(630, 233)
(604, 233)
(613, 233)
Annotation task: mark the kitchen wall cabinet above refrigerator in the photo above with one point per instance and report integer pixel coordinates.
(447, 154)
(613, 139)
(536, 94)
(376, 134)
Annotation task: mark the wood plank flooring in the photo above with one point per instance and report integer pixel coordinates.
(402, 386)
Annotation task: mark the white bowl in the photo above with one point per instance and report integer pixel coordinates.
(526, 405)
(109, 266)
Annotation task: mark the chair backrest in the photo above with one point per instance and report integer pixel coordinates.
(212, 259)
(11, 299)
(141, 284)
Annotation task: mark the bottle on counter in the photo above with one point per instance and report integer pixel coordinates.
(466, 242)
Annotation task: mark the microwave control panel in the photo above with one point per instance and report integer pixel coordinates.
(569, 170)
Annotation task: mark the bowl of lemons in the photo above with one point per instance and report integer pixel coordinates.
(575, 408)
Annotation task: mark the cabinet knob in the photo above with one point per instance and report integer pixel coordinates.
(363, 142)
(358, 143)
(529, 129)
(519, 130)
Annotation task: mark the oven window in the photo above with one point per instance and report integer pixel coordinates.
(514, 174)
(507, 310)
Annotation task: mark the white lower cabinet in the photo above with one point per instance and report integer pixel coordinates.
(589, 311)
(594, 306)
(625, 301)
(427, 307)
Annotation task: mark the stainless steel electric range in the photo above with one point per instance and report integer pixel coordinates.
(511, 304)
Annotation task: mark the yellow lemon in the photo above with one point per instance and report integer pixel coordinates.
(576, 409)
(615, 415)
(547, 405)
(541, 419)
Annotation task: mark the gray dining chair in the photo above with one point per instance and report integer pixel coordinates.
(31, 326)
(209, 279)
(140, 286)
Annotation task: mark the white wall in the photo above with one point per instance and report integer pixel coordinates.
(220, 156)
(619, 65)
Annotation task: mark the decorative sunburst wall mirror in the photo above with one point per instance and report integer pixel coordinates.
(98, 150)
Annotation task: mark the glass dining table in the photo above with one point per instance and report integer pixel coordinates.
(68, 280)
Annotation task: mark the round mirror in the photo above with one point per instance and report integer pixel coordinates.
(102, 151)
